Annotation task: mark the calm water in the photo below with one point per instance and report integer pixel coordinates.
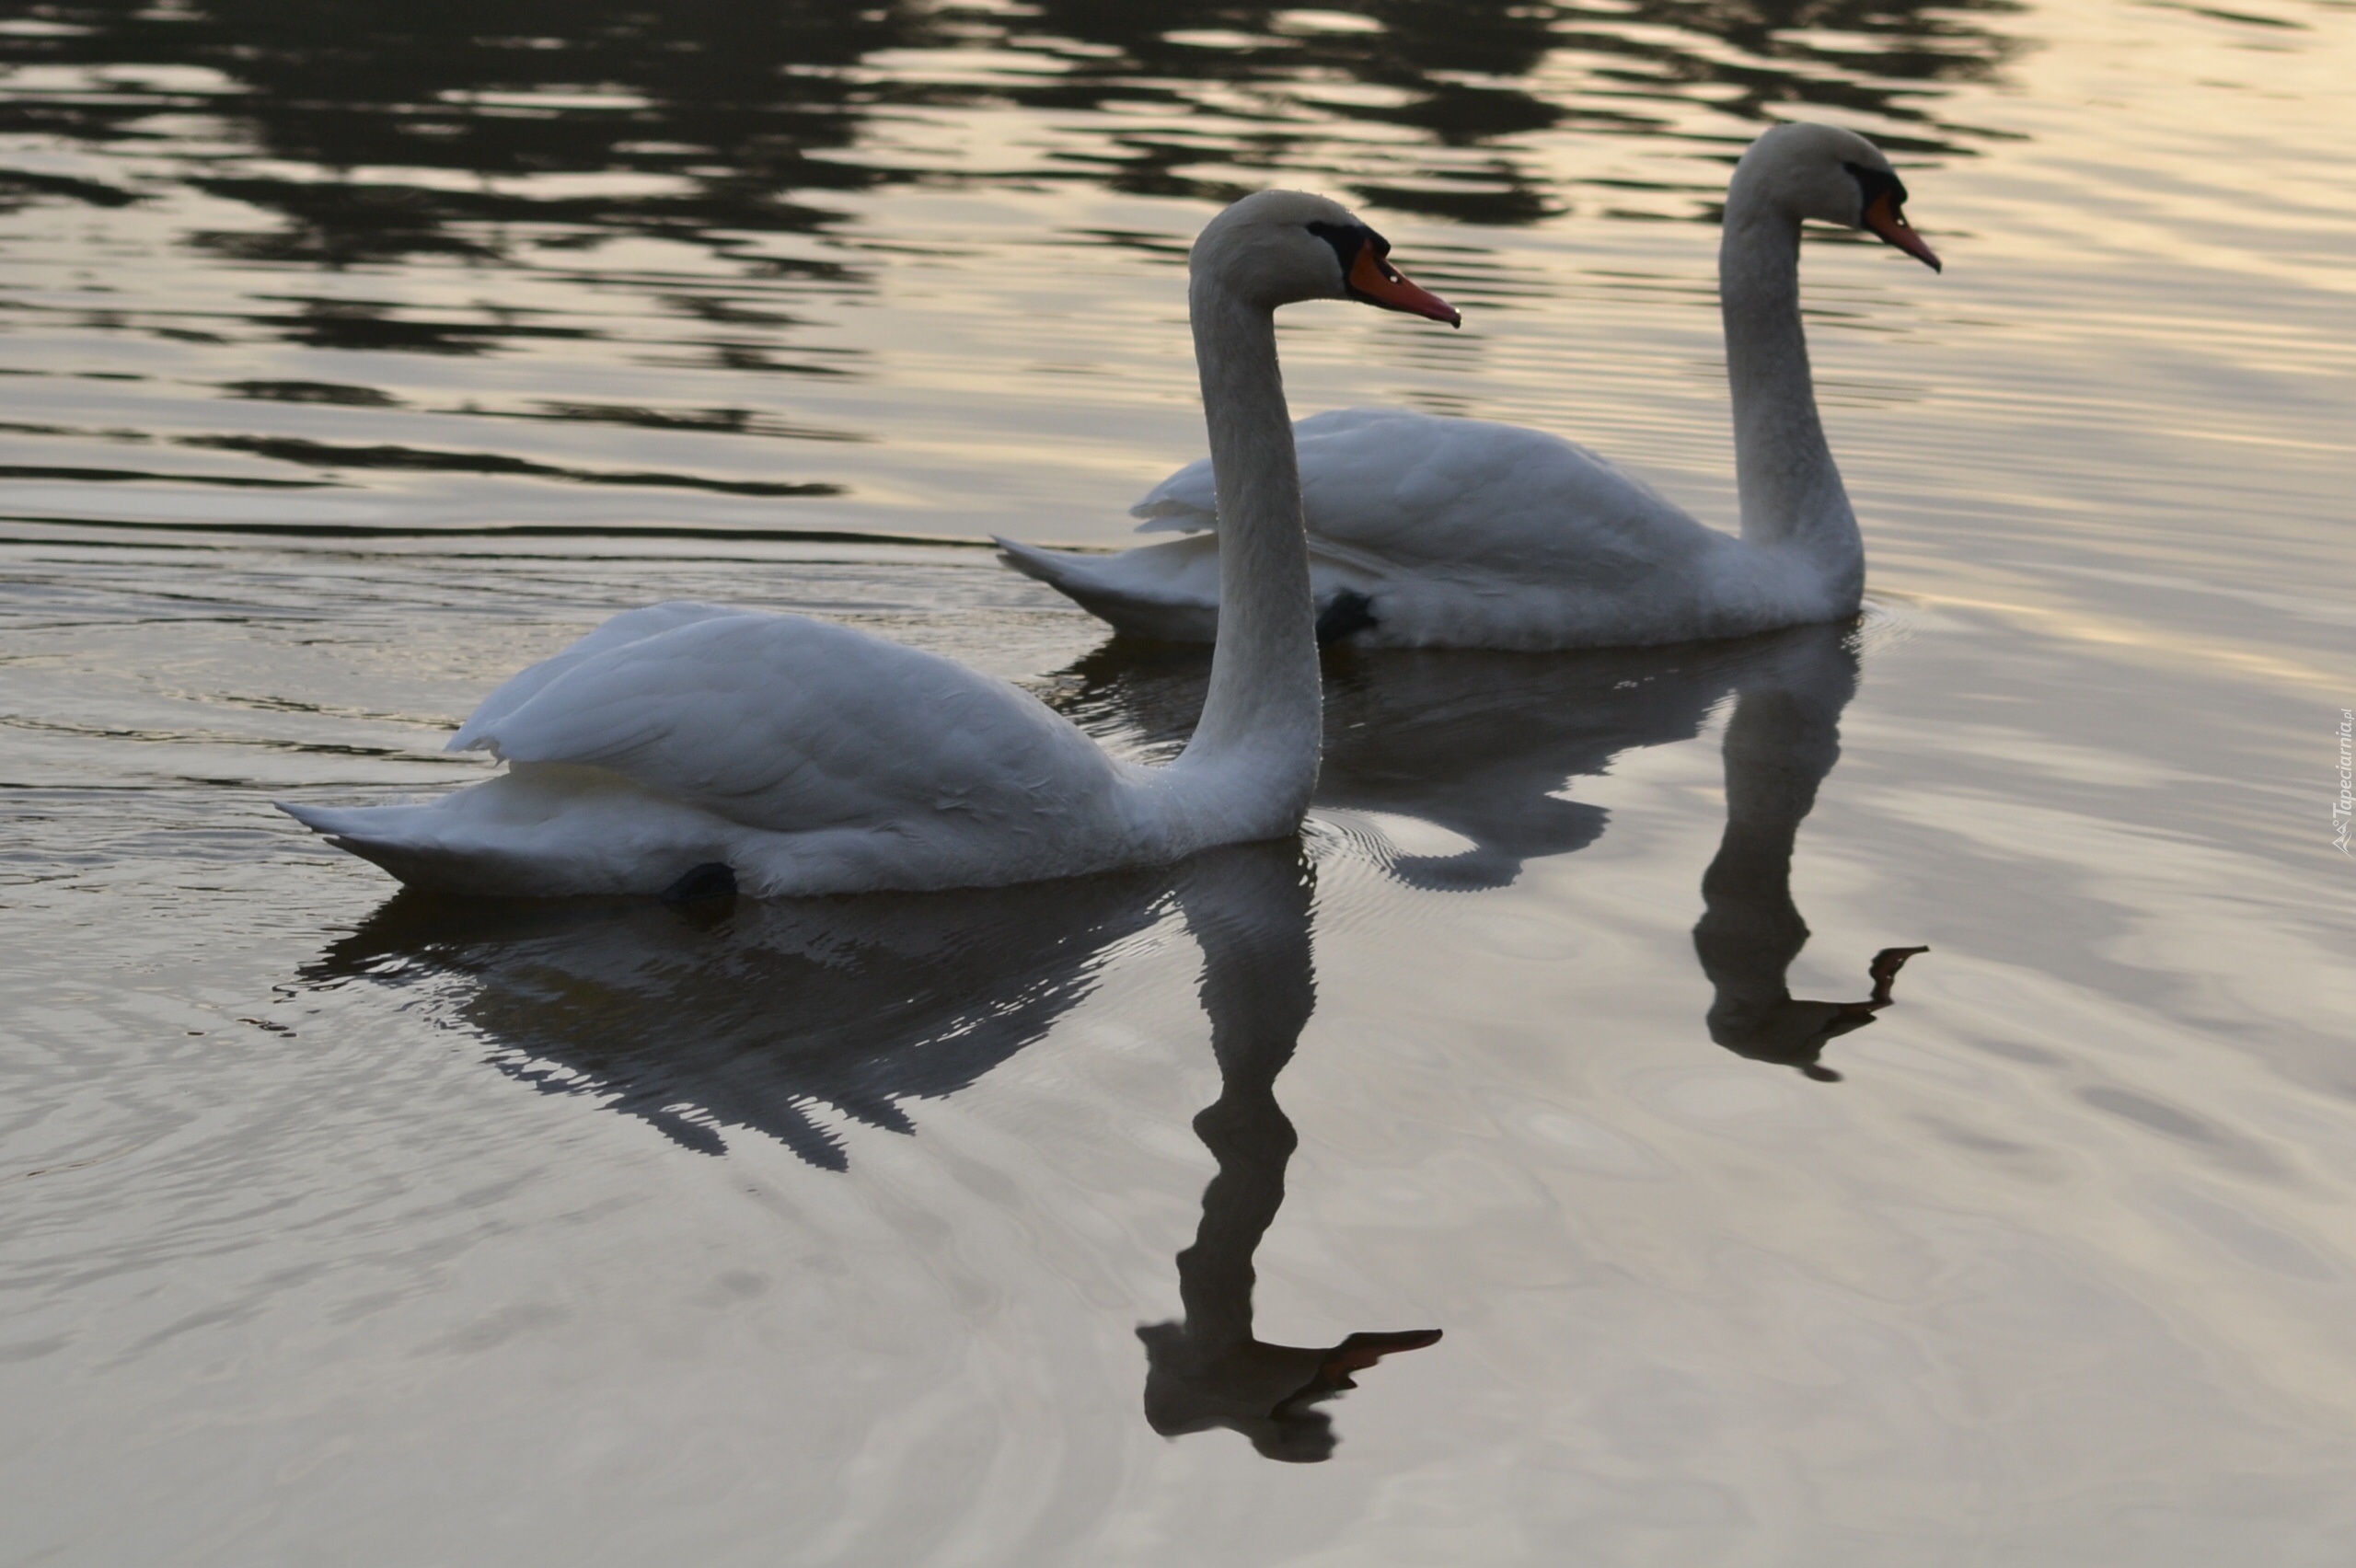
(355, 355)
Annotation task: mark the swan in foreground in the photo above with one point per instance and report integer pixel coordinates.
(1428, 532)
(686, 747)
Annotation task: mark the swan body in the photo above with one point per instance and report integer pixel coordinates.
(807, 758)
(1459, 532)
(1430, 531)
(802, 755)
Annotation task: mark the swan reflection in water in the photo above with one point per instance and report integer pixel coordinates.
(1782, 740)
(734, 1013)
(1483, 744)
(730, 1013)
(1250, 912)
(704, 1019)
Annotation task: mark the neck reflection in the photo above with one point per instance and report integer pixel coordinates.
(1782, 741)
(1484, 745)
(1250, 910)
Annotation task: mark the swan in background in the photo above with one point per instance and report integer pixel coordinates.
(690, 748)
(1429, 532)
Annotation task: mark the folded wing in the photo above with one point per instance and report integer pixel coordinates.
(791, 724)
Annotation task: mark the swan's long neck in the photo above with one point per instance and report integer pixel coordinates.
(1263, 718)
(1791, 491)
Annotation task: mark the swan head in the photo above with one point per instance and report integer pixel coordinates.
(1835, 177)
(1276, 248)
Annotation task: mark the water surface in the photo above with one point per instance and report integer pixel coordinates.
(356, 357)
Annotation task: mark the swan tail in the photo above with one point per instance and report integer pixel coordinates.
(328, 821)
(1161, 591)
(402, 841)
(1168, 592)
(532, 833)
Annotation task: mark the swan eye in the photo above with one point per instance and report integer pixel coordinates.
(1883, 199)
(1355, 246)
(1368, 277)
(1873, 184)
(1347, 241)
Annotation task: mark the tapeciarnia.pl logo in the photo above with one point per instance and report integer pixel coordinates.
(2344, 808)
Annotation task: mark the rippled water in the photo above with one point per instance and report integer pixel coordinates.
(356, 355)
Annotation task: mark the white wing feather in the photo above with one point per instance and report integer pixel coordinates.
(630, 626)
(791, 725)
(1411, 488)
(806, 757)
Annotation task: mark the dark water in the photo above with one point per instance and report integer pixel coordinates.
(1560, 1151)
(604, 264)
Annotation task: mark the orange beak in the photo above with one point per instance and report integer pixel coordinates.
(1377, 282)
(1884, 219)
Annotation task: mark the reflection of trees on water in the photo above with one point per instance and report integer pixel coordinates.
(1460, 75)
(1445, 71)
(1890, 61)
(737, 104)
(735, 118)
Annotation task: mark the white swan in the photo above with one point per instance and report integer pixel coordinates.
(1427, 532)
(691, 744)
